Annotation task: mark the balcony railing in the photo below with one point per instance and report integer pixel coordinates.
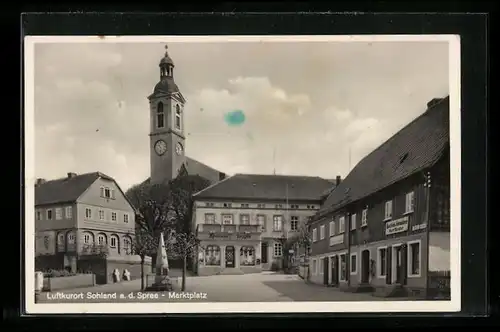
(218, 228)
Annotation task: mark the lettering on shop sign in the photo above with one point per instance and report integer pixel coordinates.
(419, 227)
(239, 236)
(396, 226)
(242, 236)
(218, 235)
(338, 239)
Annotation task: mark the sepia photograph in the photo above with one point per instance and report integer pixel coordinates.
(208, 174)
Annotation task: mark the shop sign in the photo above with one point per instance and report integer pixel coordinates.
(337, 239)
(228, 236)
(396, 226)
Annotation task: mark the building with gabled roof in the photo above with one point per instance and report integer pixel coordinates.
(243, 220)
(82, 223)
(385, 228)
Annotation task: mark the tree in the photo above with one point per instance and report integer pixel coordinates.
(151, 220)
(166, 207)
(298, 240)
(184, 246)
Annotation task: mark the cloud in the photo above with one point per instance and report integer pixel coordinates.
(308, 107)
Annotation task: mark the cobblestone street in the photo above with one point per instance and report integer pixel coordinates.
(263, 287)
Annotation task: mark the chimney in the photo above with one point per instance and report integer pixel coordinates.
(337, 180)
(40, 181)
(71, 175)
(436, 101)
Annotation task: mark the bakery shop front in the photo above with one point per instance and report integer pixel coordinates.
(228, 249)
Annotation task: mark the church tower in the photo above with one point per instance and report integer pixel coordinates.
(166, 106)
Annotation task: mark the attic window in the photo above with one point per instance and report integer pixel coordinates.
(403, 158)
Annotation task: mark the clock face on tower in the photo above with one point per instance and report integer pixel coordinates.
(160, 147)
(178, 149)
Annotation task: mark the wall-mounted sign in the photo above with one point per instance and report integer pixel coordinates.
(419, 227)
(243, 236)
(396, 226)
(337, 239)
(230, 236)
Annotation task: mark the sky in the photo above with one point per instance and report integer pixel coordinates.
(311, 108)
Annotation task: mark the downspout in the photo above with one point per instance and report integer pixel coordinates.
(348, 258)
(427, 186)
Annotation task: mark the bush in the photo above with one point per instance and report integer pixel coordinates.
(58, 273)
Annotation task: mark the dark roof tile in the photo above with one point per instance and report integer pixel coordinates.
(67, 189)
(259, 186)
(415, 147)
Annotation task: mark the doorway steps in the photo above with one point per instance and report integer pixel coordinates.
(394, 290)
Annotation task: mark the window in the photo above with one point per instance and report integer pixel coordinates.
(343, 271)
(39, 215)
(382, 261)
(101, 214)
(294, 206)
(88, 213)
(244, 205)
(278, 206)
(60, 239)
(331, 228)
(160, 116)
(227, 205)
(353, 222)
(101, 239)
(212, 255)
(414, 259)
(294, 223)
(341, 225)
(315, 234)
(107, 192)
(410, 202)
(69, 212)
(227, 219)
(209, 204)
(127, 245)
(113, 216)
(125, 218)
(261, 220)
(321, 232)
(261, 206)
(247, 256)
(388, 210)
(277, 223)
(113, 241)
(278, 250)
(177, 117)
(363, 217)
(209, 218)
(354, 263)
(58, 213)
(49, 214)
(314, 267)
(244, 219)
(86, 238)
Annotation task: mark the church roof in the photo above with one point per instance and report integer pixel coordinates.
(261, 186)
(166, 85)
(420, 144)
